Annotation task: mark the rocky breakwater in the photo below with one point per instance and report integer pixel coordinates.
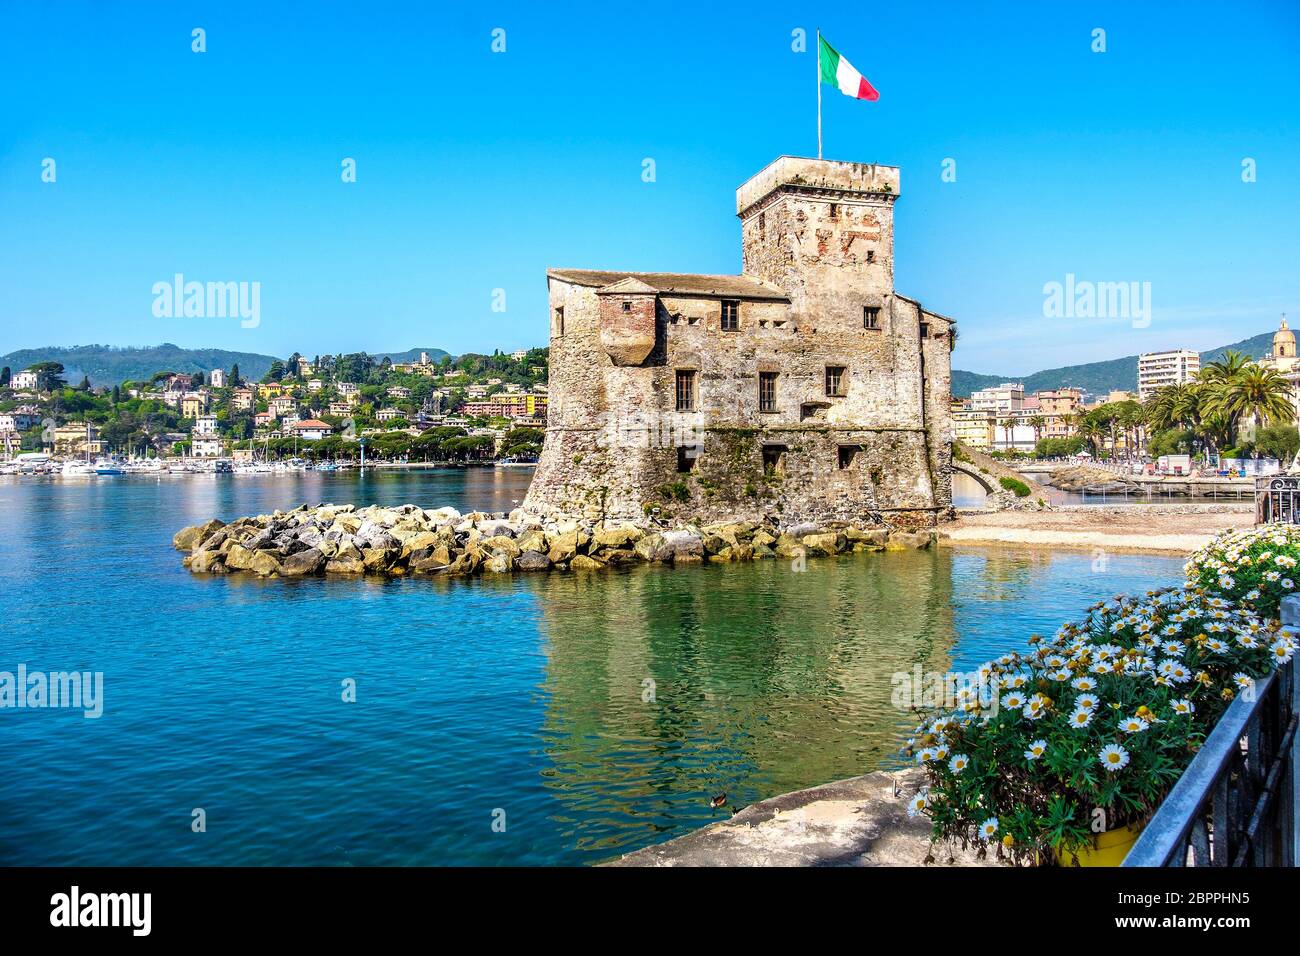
(342, 539)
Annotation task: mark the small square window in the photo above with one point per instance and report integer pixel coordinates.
(730, 315)
(687, 455)
(871, 317)
(836, 376)
(627, 306)
(847, 455)
(871, 255)
(925, 330)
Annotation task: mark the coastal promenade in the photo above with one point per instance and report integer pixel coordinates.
(1148, 528)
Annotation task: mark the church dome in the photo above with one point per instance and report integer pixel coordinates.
(1284, 342)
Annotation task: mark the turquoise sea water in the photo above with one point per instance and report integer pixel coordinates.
(593, 713)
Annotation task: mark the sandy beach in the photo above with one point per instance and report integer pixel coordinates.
(1173, 529)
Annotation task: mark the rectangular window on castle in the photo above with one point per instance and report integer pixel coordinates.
(767, 391)
(925, 330)
(730, 315)
(685, 390)
(559, 321)
(847, 454)
(835, 380)
(871, 317)
(774, 459)
(687, 455)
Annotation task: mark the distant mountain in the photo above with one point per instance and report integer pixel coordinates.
(110, 365)
(410, 355)
(1114, 375)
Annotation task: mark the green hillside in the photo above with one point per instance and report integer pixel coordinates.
(110, 365)
(410, 355)
(1096, 377)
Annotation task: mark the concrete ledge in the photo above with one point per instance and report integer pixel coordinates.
(861, 821)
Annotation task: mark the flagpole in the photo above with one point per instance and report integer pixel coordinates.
(817, 62)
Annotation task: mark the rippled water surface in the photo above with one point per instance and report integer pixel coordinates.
(599, 712)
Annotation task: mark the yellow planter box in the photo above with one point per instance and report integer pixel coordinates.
(1107, 849)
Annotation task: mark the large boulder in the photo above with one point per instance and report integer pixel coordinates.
(187, 539)
(532, 561)
(653, 547)
(443, 516)
(430, 560)
(379, 560)
(264, 563)
(505, 545)
(581, 562)
(616, 537)
(206, 562)
(499, 563)
(496, 527)
(303, 563)
(347, 560)
(826, 542)
(788, 546)
(684, 544)
(534, 539)
(239, 558)
(566, 546)
(867, 539)
(906, 540)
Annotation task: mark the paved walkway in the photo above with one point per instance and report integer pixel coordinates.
(861, 821)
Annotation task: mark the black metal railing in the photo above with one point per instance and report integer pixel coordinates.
(1277, 499)
(1235, 804)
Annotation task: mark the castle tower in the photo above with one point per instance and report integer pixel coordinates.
(824, 232)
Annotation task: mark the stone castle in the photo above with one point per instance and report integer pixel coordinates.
(803, 389)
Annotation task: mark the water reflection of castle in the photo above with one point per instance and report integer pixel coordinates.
(665, 688)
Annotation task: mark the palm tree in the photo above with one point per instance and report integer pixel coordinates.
(1131, 416)
(1261, 394)
(1090, 431)
(1037, 423)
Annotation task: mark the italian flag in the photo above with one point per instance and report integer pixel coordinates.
(839, 73)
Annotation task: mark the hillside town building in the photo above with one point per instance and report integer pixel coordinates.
(1157, 370)
(803, 389)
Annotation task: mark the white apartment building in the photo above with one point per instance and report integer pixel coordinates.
(205, 425)
(1159, 369)
(1005, 399)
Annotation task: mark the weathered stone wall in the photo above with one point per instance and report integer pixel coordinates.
(878, 449)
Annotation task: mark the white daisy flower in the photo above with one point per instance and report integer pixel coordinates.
(1113, 757)
(1133, 725)
(1243, 680)
(958, 763)
(917, 804)
(1086, 702)
(1182, 706)
(988, 828)
(1084, 683)
(1282, 650)
(1036, 749)
(1014, 700)
(1081, 718)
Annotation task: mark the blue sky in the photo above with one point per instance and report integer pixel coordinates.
(477, 170)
